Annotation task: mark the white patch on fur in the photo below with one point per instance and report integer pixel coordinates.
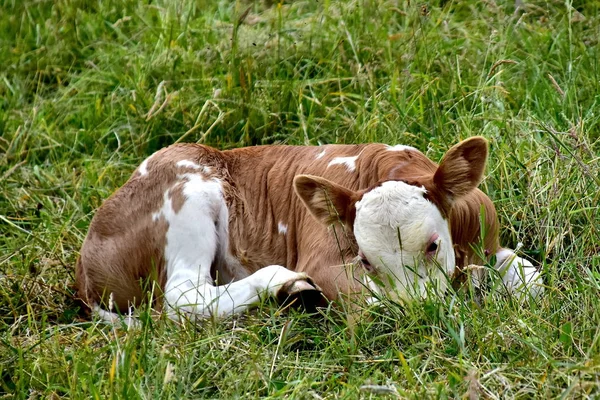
(400, 147)
(394, 223)
(166, 208)
(320, 155)
(282, 228)
(187, 227)
(166, 211)
(143, 168)
(193, 165)
(349, 162)
(187, 164)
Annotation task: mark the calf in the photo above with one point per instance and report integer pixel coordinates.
(210, 232)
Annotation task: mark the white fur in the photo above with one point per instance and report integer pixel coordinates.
(143, 168)
(321, 155)
(113, 318)
(400, 147)
(282, 228)
(349, 162)
(519, 276)
(197, 236)
(166, 208)
(187, 164)
(397, 213)
(193, 165)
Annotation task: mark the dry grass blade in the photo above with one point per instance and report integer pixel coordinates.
(556, 86)
(499, 63)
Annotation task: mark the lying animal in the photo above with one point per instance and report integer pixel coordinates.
(218, 230)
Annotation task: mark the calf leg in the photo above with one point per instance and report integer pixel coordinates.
(519, 276)
(196, 231)
(192, 294)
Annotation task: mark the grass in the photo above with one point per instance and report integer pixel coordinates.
(88, 89)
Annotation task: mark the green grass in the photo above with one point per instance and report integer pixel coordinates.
(90, 88)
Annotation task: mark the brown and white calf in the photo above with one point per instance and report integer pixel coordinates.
(218, 230)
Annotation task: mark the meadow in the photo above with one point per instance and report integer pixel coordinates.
(88, 89)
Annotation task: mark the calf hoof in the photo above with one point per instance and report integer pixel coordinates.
(303, 294)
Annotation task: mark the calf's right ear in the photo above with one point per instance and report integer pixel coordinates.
(326, 201)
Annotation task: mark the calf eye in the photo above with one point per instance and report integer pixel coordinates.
(365, 263)
(432, 248)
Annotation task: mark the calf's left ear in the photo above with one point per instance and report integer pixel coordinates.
(326, 201)
(461, 169)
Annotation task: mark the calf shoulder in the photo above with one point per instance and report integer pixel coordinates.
(123, 253)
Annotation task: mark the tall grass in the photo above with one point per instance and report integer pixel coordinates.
(90, 88)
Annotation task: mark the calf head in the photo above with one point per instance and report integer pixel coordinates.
(401, 224)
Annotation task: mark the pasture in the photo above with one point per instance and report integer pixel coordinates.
(88, 89)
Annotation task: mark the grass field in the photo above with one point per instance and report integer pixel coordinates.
(88, 89)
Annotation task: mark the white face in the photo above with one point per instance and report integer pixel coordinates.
(403, 239)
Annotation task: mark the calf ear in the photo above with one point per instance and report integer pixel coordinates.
(461, 169)
(327, 201)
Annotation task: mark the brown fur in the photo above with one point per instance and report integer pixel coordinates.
(125, 246)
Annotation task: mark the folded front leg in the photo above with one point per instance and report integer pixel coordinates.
(196, 296)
